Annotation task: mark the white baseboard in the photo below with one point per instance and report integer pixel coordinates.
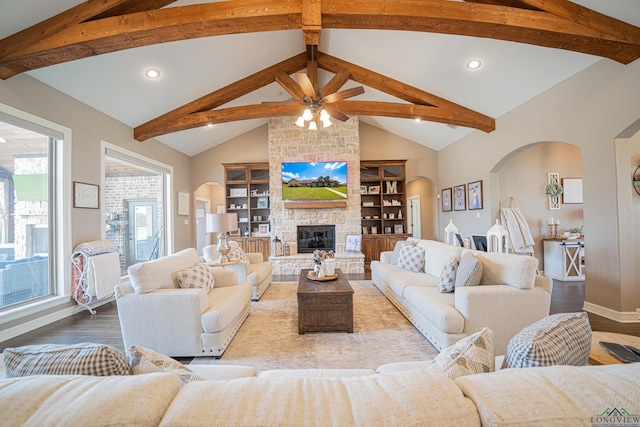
(618, 316)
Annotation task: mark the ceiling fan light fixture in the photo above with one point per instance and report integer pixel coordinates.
(300, 122)
(307, 115)
(326, 123)
(313, 126)
(324, 115)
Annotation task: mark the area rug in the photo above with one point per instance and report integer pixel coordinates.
(269, 337)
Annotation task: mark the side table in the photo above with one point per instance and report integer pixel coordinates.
(223, 264)
(600, 355)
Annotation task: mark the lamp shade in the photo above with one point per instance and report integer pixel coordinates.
(222, 223)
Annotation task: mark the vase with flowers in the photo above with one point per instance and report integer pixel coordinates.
(319, 257)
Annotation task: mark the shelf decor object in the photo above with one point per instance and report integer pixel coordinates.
(554, 190)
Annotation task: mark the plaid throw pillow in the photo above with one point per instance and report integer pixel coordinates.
(471, 355)
(236, 252)
(411, 258)
(197, 276)
(559, 339)
(396, 250)
(146, 361)
(448, 276)
(469, 271)
(76, 359)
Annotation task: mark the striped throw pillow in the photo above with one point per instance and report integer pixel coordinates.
(559, 339)
(54, 359)
(469, 271)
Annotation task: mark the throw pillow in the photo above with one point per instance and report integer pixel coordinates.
(396, 250)
(236, 252)
(448, 276)
(471, 355)
(411, 258)
(559, 339)
(469, 271)
(76, 359)
(146, 361)
(197, 276)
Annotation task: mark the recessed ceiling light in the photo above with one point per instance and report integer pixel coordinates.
(152, 73)
(209, 125)
(418, 119)
(474, 64)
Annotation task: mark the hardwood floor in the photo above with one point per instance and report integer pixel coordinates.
(104, 327)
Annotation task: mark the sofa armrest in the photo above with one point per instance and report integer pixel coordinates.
(224, 277)
(255, 257)
(164, 320)
(504, 309)
(386, 256)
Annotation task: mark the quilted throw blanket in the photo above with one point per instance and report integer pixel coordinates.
(81, 262)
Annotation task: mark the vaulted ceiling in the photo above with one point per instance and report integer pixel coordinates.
(220, 60)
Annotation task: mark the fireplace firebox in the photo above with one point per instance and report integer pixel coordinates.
(312, 237)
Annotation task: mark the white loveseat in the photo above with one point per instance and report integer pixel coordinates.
(156, 313)
(548, 396)
(511, 295)
(255, 269)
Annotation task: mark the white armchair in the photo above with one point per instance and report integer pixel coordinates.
(255, 269)
(156, 313)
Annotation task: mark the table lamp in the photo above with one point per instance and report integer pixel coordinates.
(222, 224)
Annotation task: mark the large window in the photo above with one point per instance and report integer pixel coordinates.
(27, 211)
(135, 201)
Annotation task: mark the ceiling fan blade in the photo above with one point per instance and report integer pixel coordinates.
(335, 113)
(289, 85)
(306, 85)
(344, 94)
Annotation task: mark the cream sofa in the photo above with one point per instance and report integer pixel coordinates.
(256, 270)
(156, 313)
(394, 396)
(510, 297)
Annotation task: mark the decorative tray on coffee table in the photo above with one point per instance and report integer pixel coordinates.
(312, 276)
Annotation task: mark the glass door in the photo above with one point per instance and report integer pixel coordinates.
(143, 231)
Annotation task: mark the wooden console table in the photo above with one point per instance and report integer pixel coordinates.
(324, 306)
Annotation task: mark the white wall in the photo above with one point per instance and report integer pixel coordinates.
(589, 111)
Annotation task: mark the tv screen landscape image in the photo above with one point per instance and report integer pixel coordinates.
(314, 181)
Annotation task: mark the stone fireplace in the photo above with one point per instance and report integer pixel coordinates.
(289, 143)
(316, 237)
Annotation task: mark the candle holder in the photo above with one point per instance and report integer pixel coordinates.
(552, 231)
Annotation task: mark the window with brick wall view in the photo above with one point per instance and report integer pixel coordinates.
(134, 208)
(26, 179)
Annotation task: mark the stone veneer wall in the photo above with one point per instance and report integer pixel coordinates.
(290, 143)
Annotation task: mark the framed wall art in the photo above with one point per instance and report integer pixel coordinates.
(86, 195)
(353, 243)
(446, 200)
(474, 190)
(572, 190)
(263, 230)
(459, 198)
(263, 202)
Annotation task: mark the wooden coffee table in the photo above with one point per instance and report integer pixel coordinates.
(324, 306)
(600, 356)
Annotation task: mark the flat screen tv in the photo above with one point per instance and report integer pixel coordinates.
(314, 181)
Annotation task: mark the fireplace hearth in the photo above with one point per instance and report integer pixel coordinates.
(316, 237)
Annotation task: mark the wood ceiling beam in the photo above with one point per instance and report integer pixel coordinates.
(403, 91)
(227, 115)
(509, 3)
(290, 86)
(38, 32)
(587, 17)
(67, 42)
(117, 33)
(134, 6)
(410, 111)
(311, 21)
(480, 20)
(220, 97)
